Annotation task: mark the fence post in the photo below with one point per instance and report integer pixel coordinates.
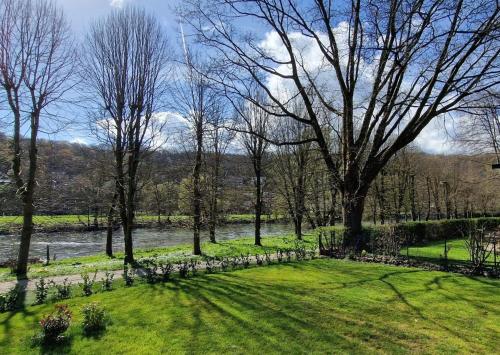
(48, 255)
(446, 252)
(495, 253)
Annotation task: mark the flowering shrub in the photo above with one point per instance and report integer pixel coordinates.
(55, 324)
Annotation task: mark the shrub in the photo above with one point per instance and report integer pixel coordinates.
(209, 265)
(193, 265)
(55, 324)
(150, 267)
(42, 291)
(477, 244)
(128, 275)
(312, 251)
(63, 290)
(166, 270)
(279, 255)
(107, 281)
(94, 318)
(183, 269)
(300, 250)
(259, 260)
(87, 284)
(235, 262)
(8, 300)
(245, 260)
(267, 255)
(224, 264)
(415, 233)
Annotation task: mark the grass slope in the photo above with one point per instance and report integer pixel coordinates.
(321, 306)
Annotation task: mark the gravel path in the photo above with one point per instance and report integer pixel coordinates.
(30, 284)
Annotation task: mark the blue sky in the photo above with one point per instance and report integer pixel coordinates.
(81, 13)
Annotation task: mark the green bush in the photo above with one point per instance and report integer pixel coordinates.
(63, 291)
(41, 292)
(8, 300)
(416, 233)
(94, 318)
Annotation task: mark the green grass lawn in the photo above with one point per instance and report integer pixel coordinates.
(457, 251)
(320, 306)
(102, 262)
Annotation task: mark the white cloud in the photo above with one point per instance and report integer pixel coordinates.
(79, 140)
(165, 129)
(436, 138)
(117, 3)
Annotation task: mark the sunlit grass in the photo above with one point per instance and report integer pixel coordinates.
(102, 262)
(457, 251)
(321, 306)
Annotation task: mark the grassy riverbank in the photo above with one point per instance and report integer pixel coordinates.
(102, 262)
(54, 223)
(319, 306)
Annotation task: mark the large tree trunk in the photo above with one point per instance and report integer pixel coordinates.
(27, 193)
(352, 210)
(298, 226)
(27, 230)
(109, 229)
(129, 248)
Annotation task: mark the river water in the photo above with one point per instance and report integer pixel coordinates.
(70, 244)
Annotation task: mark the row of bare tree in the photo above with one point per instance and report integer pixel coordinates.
(349, 86)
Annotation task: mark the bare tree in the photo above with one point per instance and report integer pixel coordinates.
(255, 122)
(385, 70)
(481, 131)
(125, 70)
(36, 62)
(195, 99)
(217, 142)
(291, 163)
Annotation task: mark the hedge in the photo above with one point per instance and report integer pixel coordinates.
(415, 233)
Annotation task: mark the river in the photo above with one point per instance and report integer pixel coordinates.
(71, 244)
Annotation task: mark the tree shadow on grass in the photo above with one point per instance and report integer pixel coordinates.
(20, 309)
(61, 346)
(438, 280)
(270, 312)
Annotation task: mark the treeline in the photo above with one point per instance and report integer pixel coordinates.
(78, 179)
